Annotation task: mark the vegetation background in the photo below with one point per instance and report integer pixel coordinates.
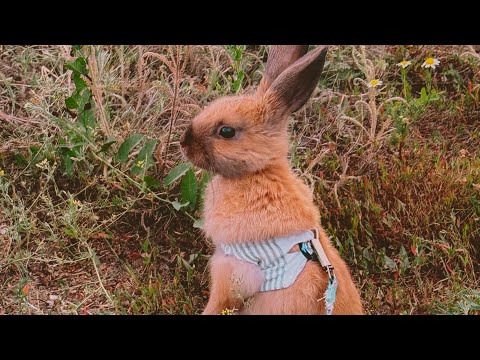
(100, 214)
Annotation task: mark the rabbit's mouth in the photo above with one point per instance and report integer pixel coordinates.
(198, 155)
(202, 161)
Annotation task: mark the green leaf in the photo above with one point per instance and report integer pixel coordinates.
(127, 146)
(80, 84)
(186, 264)
(423, 94)
(34, 149)
(136, 169)
(77, 66)
(404, 258)
(107, 145)
(189, 188)
(84, 99)
(67, 161)
(389, 263)
(176, 173)
(20, 160)
(198, 224)
(77, 47)
(206, 177)
(87, 119)
(151, 182)
(71, 103)
(95, 258)
(145, 155)
(366, 254)
(237, 85)
(70, 232)
(78, 101)
(177, 206)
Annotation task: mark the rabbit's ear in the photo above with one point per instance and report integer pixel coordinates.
(280, 57)
(294, 86)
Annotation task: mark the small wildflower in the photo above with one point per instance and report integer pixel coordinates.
(227, 311)
(140, 163)
(430, 62)
(463, 153)
(42, 164)
(25, 289)
(51, 300)
(404, 63)
(36, 100)
(374, 83)
(2, 172)
(76, 202)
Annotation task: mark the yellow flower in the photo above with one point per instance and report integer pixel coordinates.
(76, 202)
(374, 82)
(430, 63)
(2, 172)
(404, 63)
(140, 163)
(227, 312)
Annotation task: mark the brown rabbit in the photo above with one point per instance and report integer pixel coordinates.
(255, 197)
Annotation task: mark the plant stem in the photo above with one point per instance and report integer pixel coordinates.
(174, 103)
(428, 80)
(405, 84)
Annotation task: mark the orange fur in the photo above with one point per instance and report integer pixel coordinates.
(255, 196)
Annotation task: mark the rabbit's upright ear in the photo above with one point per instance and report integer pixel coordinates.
(294, 86)
(280, 57)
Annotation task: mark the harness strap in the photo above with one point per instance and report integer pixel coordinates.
(313, 250)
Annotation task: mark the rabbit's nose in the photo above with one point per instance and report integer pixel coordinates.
(186, 138)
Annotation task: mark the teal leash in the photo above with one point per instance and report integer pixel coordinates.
(331, 292)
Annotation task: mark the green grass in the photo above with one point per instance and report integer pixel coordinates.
(95, 219)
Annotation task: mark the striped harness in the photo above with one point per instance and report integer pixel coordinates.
(281, 268)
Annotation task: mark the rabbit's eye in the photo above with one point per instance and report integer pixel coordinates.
(227, 132)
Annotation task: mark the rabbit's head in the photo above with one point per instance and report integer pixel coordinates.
(237, 135)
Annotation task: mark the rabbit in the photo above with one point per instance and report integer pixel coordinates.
(254, 195)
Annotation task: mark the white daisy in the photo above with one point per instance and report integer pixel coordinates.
(430, 62)
(374, 82)
(404, 63)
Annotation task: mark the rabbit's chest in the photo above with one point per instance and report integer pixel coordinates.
(239, 214)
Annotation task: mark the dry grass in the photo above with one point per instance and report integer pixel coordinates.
(397, 181)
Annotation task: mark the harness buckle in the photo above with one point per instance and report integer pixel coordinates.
(318, 249)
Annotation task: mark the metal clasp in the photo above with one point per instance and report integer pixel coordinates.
(331, 275)
(319, 251)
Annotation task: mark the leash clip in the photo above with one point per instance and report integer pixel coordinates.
(321, 255)
(313, 249)
(331, 274)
